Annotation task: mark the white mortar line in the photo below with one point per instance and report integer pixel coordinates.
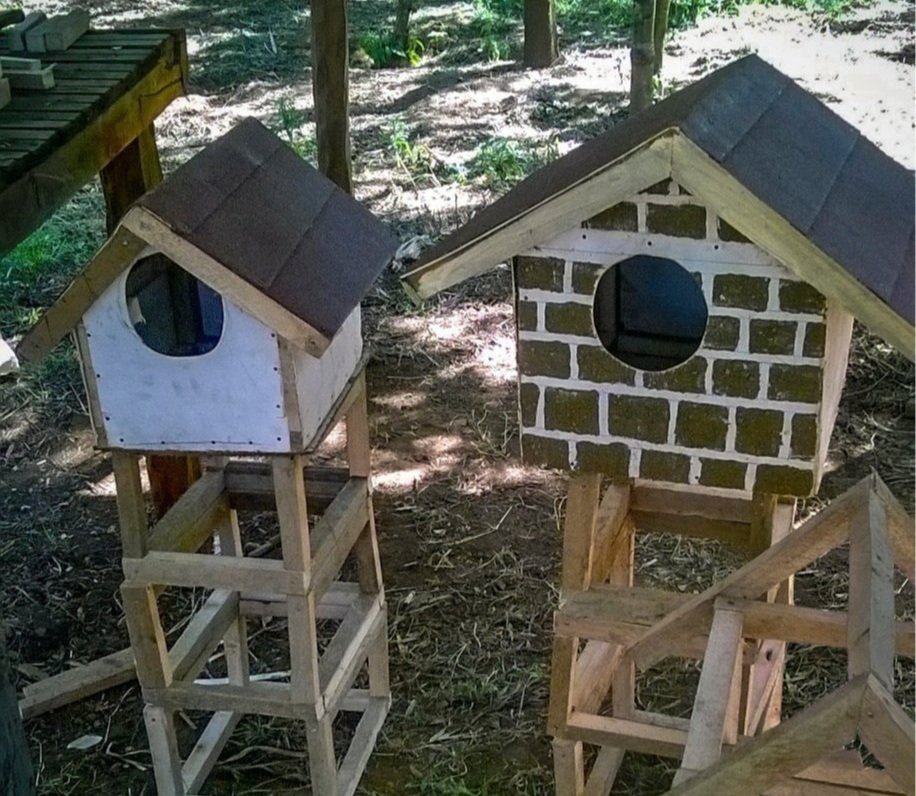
(801, 330)
(574, 361)
(641, 215)
(785, 447)
(539, 412)
(712, 225)
(641, 392)
(602, 414)
(773, 303)
(553, 297)
(567, 276)
(764, 383)
(750, 476)
(541, 317)
(672, 419)
(744, 326)
(573, 454)
(693, 476)
(637, 444)
(732, 430)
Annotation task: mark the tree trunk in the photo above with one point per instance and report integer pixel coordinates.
(15, 765)
(540, 34)
(402, 23)
(642, 55)
(661, 28)
(330, 88)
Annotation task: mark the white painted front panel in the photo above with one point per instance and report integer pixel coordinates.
(319, 382)
(229, 399)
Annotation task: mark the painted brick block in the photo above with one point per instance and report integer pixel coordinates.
(638, 418)
(722, 333)
(545, 452)
(739, 290)
(683, 221)
(772, 337)
(722, 473)
(541, 358)
(613, 459)
(775, 479)
(621, 217)
(596, 364)
(528, 396)
(585, 277)
(539, 273)
(728, 233)
(795, 383)
(575, 411)
(815, 340)
(701, 425)
(736, 377)
(569, 318)
(689, 377)
(804, 436)
(663, 466)
(758, 431)
(527, 314)
(800, 297)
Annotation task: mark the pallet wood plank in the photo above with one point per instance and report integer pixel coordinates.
(568, 767)
(207, 749)
(335, 533)
(160, 731)
(357, 756)
(191, 521)
(604, 771)
(888, 732)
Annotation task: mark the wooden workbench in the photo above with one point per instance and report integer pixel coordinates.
(110, 86)
(97, 120)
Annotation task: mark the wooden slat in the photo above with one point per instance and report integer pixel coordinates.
(261, 698)
(191, 521)
(357, 756)
(207, 749)
(568, 767)
(888, 733)
(195, 570)
(785, 750)
(721, 666)
(334, 536)
(250, 486)
(817, 536)
(626, 734)
(604, 771)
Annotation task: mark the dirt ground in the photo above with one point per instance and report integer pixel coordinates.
(470, 538)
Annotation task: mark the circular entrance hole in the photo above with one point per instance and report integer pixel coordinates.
(650, 312)
(173, 312)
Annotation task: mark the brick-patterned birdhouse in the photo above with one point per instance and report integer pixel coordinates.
(686, 284)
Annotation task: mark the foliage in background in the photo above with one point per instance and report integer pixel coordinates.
(502, 162)
(290, 121)
(383, 50)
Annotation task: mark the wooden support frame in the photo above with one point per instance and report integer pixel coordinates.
(740, 628)
(302, 586)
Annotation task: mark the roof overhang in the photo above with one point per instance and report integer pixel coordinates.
(140, 230)
(670, 154)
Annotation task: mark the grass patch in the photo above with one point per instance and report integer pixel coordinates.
(290, 123)
(502, 162)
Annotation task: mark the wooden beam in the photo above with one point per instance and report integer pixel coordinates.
(871, 595)
(207, 749)
(817, 536)
(192, 520)
(357, 756)
(702, 176)
(721, 666)
(604, 771)
(785, 750)
(582, 500)
(568, 767)
(628, 734)
(336, 532)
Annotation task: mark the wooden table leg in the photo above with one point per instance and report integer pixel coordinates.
(125, 179)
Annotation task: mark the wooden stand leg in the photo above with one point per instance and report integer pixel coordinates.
(568, 767)
(235, 641)
(163, 744)
(322, 760)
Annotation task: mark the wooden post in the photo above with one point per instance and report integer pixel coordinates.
(541, 48)
(15, 764)
(331, 89)
(131, 173)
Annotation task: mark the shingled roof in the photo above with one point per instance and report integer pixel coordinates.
(781, 144)
(260, 225)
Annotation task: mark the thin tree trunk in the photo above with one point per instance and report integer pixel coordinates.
(541, 49)
(642, 55)
(330, 88)
(661, 29)
(15, 765)
(402, 23)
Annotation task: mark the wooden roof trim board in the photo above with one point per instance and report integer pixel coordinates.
(647, 164)
(702, 176)
(143, 223)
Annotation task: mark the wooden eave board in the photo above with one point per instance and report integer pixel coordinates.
(835, 192)
(252, 204)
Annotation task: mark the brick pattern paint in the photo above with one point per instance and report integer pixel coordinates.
(742, 414)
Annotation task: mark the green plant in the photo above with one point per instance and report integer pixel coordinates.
(290, 121)
(492, 22)
(412, 156)
(501, 162)
(383, 51)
